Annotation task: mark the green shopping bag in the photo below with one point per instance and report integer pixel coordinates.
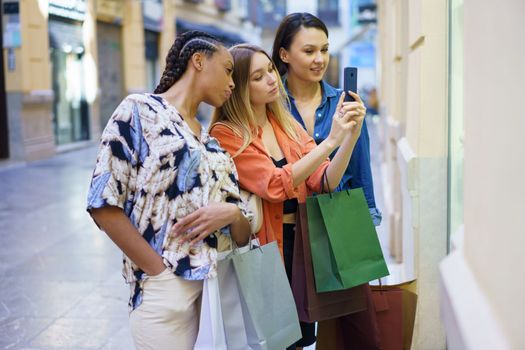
(344, 244)
(325, 268)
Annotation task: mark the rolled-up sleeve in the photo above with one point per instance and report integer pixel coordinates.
(116, 166)
(257, 173)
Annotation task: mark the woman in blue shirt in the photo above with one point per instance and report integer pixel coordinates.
(300, 52)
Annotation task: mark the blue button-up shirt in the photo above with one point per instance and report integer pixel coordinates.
(358, 173)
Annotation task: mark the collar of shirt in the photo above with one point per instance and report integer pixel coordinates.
(327, 91)
(176, 117)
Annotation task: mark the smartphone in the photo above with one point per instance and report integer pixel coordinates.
(350, 82)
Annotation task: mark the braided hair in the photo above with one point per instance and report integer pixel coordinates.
(185, 45)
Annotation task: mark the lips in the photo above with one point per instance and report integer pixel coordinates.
(317, 69)
(228, 93)
(274, 90)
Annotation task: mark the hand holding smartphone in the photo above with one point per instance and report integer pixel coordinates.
(350, 82)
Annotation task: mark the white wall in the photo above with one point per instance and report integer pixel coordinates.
(495, 156)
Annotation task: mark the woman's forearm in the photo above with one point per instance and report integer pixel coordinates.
(305, 166)
(117, 226)
(240, 229)
(339, 163)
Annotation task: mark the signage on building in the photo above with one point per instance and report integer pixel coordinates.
(72, 9)
(110, 10)
(152, 12)
(11, 24)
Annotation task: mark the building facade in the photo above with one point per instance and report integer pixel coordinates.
(451, 124)
(413, 46)
(67, 65)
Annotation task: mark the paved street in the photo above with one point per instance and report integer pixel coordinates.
(61, 284)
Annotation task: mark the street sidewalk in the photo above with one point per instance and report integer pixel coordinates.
(62, 287)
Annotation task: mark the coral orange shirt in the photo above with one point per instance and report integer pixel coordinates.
(258, 174)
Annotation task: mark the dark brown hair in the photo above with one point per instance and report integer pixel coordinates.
(285, 34)
(185, 45)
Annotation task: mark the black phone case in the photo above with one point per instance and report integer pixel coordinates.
(350, 82)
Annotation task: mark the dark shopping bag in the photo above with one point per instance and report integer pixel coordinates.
(313, 306)
(345, 249)
(396, 314)
(357, 331)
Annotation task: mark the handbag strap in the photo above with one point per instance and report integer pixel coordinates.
(325, 178)
(381, 290)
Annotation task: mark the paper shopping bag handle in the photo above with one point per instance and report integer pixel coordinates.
(325, 178)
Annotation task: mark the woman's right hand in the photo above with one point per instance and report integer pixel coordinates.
(204, 221)
(346, 120)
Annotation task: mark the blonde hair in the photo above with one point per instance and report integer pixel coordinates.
(237, 113)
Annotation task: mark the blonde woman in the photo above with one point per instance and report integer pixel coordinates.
(275, 158)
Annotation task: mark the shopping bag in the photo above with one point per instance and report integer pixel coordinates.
(269, 311)
(234, 327)
(357, 331)
(312, 306)
(345, 249)
(329, 335)
(211, 331)
(395, 312)
(325, 268)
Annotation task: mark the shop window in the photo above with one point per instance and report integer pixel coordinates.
(70, 107)
(152, 59)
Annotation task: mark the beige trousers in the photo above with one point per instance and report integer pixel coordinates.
(168, 317)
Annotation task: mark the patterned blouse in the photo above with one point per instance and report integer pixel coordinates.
(157, 170)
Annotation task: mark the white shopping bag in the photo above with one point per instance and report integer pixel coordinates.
(211, 327)
(234, 327)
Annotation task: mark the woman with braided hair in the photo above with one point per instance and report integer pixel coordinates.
(164, 191)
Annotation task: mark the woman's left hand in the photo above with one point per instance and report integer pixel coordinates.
(204, 221)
